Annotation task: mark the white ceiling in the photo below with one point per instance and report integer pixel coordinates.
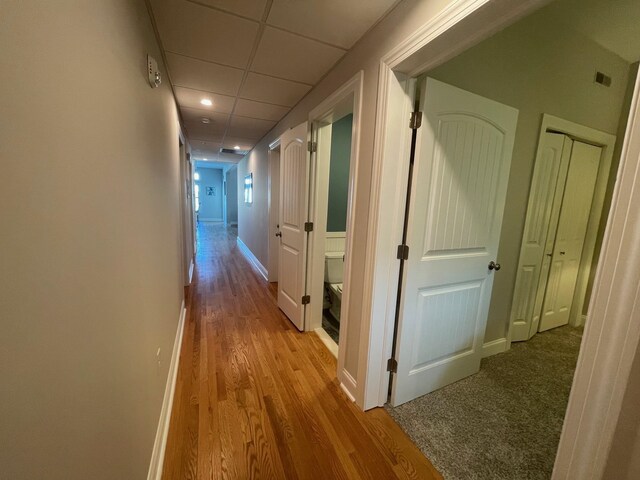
(255, 59)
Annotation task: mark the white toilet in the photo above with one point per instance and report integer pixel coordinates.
(333, 271)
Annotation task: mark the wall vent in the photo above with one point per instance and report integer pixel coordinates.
(232, 151)
(603, 79)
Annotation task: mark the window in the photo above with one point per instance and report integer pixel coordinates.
(196, 176)
(196, 195)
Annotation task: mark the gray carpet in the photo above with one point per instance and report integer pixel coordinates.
(505, 421)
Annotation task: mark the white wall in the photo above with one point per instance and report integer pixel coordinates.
(210, 205)
(232, 195)
(91, 282)
(537, 66)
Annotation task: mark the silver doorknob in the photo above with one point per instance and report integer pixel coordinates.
(494, 266)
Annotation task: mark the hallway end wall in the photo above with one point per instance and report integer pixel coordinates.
(91, 285)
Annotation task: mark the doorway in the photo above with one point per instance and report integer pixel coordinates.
(564, 214)
(439, 337)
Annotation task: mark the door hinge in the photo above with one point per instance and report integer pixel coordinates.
(415, 121)
(312, 146)
(306, 300)
(392, 365)
(308, 227)
(403, 252)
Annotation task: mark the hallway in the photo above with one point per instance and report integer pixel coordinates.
(257, 399)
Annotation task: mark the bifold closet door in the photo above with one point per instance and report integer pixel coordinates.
(570, 235)
(545, 198)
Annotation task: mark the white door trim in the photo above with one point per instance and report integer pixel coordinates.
(607, 141)
(612, 333)
(474, 20)
(350, 94)
(605, 359)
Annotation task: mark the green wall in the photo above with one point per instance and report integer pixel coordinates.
(339, 174)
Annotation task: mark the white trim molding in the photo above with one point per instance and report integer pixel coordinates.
(460, 25)
(160, 443)
(494, 347)
(248, 254)
(346, 99)
(191, 268)
(612, 334)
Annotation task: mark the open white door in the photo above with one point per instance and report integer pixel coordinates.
(570, 236)
(294, 181)
(545, 197)
(461, 171)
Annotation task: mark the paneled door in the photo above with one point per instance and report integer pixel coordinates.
(570, 236)
(461, 171)
(294, 181)
(545, 197)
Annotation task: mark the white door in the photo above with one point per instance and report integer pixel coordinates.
(570, 236)
(461, 172)
(294, 181)
(547, 186)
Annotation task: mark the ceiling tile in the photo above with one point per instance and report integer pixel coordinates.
(336, 22)
(200, 75)
(218, 120)
(290, 56)
(243, 143)
(272, 90)
(264, 111)
(249, 127)
(191, 99)
(205, 33)
(202, 148)
(247, 8)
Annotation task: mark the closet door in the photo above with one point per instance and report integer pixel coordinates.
(570, 236)
(549, 176)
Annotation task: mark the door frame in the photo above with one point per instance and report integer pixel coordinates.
(607, 142)
(606, 354)
(273, 210)
(348, 96)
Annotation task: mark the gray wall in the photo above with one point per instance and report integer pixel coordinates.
(90, 252)
(537, 66)
(339, 174)
(210, 205)
(232, 195)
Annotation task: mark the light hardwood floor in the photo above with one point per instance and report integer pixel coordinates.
(257, 399)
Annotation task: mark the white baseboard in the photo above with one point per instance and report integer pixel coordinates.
(191, 267)
(494, 347)
(160, 444)
(252, 258)
(348, 384)
(327, 341)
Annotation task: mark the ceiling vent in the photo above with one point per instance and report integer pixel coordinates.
(603, 79)
(233, 151)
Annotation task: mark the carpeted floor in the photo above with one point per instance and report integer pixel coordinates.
(505, 421)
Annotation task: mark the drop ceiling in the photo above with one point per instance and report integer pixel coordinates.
(254, 59)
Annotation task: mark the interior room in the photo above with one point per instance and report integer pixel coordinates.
(336, 230)
(565, 79)
(209, 182)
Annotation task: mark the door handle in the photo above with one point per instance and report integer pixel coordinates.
(278, 234)
(494, 266)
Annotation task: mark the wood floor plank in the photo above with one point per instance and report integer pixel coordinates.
(256, 399)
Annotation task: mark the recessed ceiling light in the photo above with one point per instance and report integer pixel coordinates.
(237, 147)
(206, 101)
(206, 120)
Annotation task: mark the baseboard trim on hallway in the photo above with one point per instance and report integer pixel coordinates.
(252, 258)
(327, 341)
(494, 347)
(160, 444)
(191, 267)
